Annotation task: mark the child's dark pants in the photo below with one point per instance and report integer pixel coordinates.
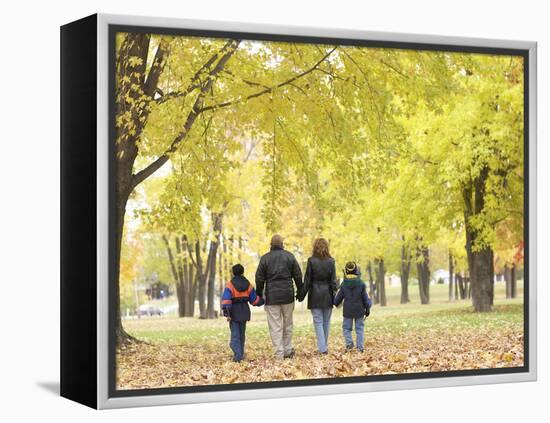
(238, 330)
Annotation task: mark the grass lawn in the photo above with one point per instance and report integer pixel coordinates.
(399, 338)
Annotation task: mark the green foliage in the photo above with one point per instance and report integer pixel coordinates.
(367, 147)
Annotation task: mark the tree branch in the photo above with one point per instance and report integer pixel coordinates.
(372, 94)
(196, 79)
(393, 68)
(304, 92)
(246, 81)
(195, 111)
(157, 66)
(170, 258)
(190, 251)
(270, 89)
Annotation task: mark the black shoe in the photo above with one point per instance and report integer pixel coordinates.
(323, 353)
(236, 360)
(349, 347)
(289, 355)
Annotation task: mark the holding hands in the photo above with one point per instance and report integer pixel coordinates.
(300, 295)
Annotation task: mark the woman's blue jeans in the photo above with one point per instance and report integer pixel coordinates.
(321, 322)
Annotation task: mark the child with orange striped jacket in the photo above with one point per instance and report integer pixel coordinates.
(238, 293)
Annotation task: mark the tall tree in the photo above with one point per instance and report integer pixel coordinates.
(136, 89)
(474, 165)
(157, 110)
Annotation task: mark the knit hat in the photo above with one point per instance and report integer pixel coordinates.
(351, 268)
(237, 270)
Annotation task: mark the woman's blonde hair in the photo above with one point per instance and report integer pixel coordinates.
(320, 248)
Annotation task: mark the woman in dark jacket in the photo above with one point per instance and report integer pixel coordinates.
(320, 287)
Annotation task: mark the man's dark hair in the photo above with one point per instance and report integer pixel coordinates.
(237, 270)
(277, 241)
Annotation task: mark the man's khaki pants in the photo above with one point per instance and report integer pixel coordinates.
(279, 320)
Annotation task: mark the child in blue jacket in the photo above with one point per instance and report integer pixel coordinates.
(356, 305)
(237, 294)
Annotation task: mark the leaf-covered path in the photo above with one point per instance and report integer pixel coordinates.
(403, 339)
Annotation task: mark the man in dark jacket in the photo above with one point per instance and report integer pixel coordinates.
(277, 273)
(356, 305)
(235, 298)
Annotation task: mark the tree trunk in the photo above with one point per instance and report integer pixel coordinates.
(126, 153)
(492, 276)
(423, 272)
(220, 272)
(481, 286)
(513, 282)
(134, 93)
(405, 271)
(380, 271)
(211, 282)
(121, 336)
(187, 278)
(226, 271)
(451, 274)
(216, 227)
(461, 286)
(192, 292)
(201, 281)
(377, 286)
(480, 257)
(507, 281)
(420, 275)
(372, 285)
(456, 287)
(177, 274)
(179, 267)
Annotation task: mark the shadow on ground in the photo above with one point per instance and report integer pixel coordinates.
(51, 387)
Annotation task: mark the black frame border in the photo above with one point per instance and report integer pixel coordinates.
(78, 211)
(113, 29)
